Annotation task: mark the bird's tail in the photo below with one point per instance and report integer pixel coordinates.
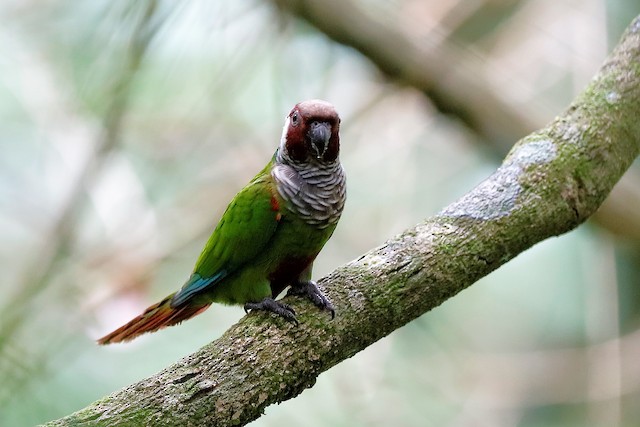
(156, 317)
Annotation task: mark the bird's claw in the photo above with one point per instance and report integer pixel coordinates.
(279, 308)
(310, 290)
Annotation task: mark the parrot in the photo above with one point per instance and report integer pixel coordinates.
(270, 233)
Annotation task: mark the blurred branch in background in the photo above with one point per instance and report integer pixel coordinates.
(58, 241)
(445, 74)
(452, 79)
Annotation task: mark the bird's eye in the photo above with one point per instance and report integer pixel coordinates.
(295, 119)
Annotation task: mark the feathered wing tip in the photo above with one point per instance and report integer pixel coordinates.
(155, 317)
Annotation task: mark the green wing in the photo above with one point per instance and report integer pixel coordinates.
(244, 230)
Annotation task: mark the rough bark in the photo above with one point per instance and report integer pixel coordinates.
(550, 182)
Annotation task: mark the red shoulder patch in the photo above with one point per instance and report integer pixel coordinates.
(275, 206)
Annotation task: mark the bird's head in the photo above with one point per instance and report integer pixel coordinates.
(311, 132)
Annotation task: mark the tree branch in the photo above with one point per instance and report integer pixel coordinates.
(550, 182)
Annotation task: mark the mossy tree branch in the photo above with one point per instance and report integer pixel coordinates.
(551, 181)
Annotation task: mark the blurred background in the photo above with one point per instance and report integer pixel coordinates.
(128, 126)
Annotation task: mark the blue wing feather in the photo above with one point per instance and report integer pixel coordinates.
(195, 285)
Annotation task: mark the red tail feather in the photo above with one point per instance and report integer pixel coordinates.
(156, 317)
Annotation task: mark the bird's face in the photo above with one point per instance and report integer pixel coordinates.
(311, 132)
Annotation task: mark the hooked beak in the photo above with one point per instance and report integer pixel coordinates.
(319, 134)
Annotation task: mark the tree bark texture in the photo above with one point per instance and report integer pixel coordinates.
(551, 181)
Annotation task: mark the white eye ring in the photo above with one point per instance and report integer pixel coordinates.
(295, 119)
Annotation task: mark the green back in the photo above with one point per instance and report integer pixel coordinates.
(244, 230)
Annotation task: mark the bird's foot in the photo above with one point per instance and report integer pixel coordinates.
(279, 308)
(310, 290)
